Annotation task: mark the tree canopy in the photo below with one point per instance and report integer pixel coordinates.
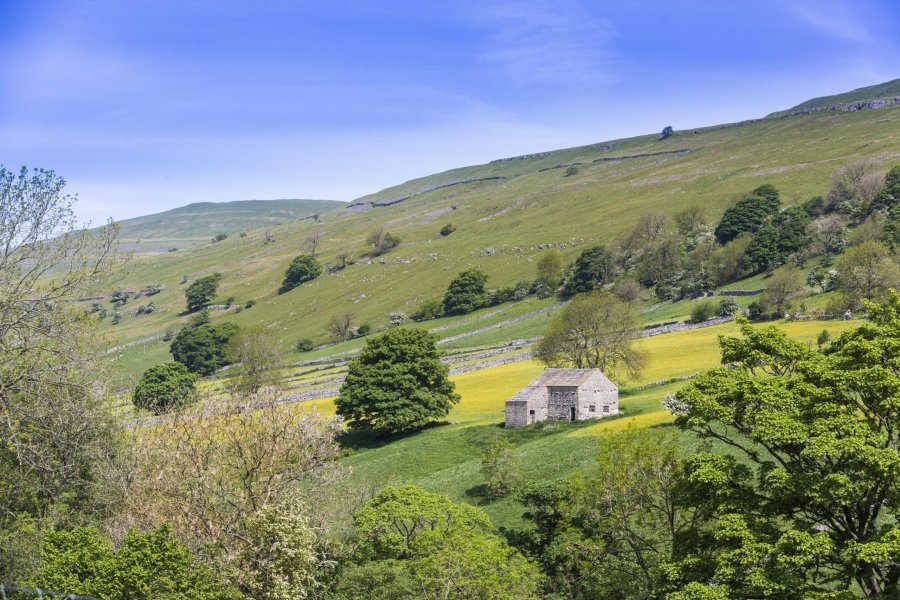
(201, 292)
(596, 330)
(302, 269)
(396, 384)
(593, 267)
(466, 292)
(748, 214)
(164, 386)
(203, 349)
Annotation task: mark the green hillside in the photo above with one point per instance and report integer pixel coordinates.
(506, 212)
(881, 91)
(200, 221)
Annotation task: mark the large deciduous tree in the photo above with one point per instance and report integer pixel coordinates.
(57, 442)
(302, 269)
(466, 292)
(254, 351)
(596, 330)
(806, 501)
(749, 213)
(201, 292)
(164, 386)
(397, 383)
(203, 349)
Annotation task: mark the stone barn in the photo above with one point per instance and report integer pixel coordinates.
(564, 395)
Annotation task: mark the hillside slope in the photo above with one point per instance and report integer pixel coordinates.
(889, 90)
(199, 221)
(505, 212)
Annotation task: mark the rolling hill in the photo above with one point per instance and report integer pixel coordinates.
(200, 221)
(506, 213)
(889, 91)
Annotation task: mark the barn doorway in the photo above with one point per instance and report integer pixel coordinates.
(572, 413)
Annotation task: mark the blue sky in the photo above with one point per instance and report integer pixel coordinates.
(145, 105)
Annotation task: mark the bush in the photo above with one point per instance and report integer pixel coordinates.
(755, 311)
(163, 387)
(202, 349)
(382, 241)
(201, 292)
(593, 267)
(728, 307)
(363, 330)
(302, 269)
(396, 384)
(447, 229)
(703, 311)
(500, 468)
(220, 237)
(465, 293)
(429, 309)
(305, 345)
(571, 170)
(201, 317)
(250, 304)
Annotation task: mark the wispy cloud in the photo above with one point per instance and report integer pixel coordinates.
(539, 41)
(835, 18)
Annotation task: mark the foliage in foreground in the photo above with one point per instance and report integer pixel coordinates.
(396, 384)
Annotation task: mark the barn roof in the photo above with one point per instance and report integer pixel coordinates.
(566, 377)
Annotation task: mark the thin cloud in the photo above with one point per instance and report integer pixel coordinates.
(834, 18)
(547, 42)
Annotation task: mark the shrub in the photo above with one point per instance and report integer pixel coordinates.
(199, 318)
(363, 330)
(429, 309)
(728, 307)
(220, 237)
(305, 345)
(397, 318)
(201, 292)
(249, 303)
(164, 386)
(465, 293)
(396, 384)
(447, 229)
(571, 170)
(748, 214)
(382, 241)
(302, 269)
(667, 132)
(703, 311)
(500, 468)
(202, 349)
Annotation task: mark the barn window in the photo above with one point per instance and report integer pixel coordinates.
(606, 409)
(592, 408)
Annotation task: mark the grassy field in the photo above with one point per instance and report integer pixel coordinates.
(447, 457)
(502, 226)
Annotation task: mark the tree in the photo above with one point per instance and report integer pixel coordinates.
(831, 233)
(500, 468)
(448, 547)
(302, 269)
(164, 386)
(311, 243)
(466, 292)
(447, 229)
(667, 132)
(727, 263)
(223, 461)
(783, 287)
(60, 445)
(549, 271)
(748, 214)
(341, 326)
(381, 241)
(802, 483)
(147, 565)
(865, 272)
(202, 292)
(202, 349)
(593, 267)
(595, 330)
(429, 309)
(784, 235)
(254, 352)
(854, 188)
(396, 384)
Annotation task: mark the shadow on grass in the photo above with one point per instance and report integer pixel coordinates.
(367, 440)
(478, 495)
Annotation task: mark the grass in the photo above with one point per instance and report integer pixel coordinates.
(501, 227)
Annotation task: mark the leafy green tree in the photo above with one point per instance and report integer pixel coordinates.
(805, 499)
(596, 330)
(255, 351)
(728, 263)
(429, 309)
(783, 287)
(396, 384)
(147, 566)
(203, 349)
(447, 229)
(302, 269)
(703, 311)
(384, 579)
(889, 196)
(466, 292)
(549, 272)
(667, 132)
(782, 236)
(865, 272)
(164, 386)
(748, 214)
(594, 267)
(500, 468)
(448, 547)
(201, 292)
